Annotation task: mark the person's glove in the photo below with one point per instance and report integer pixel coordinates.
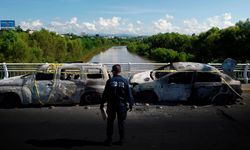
(101, 106)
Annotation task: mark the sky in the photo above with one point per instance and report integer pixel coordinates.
(137, 17)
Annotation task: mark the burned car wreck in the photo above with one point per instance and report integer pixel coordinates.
(186, 81)
(56, 84)
(155, 74)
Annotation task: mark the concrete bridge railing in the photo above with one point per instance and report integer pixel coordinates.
(241, 71)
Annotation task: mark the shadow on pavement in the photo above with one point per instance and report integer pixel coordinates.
(63, 143)
(188, 103)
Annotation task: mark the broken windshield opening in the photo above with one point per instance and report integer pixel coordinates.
(207, 77)
(181, 78)
(44, 76)
(70, 74)
(160, 72)
(94, 73)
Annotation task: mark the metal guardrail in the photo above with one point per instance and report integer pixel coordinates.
(241, 71)
(15, 69)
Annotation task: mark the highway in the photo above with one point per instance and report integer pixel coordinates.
(148, 127)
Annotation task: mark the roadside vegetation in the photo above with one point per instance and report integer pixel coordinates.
(212, 46)
(44, 46)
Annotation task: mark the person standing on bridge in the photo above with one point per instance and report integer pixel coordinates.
(116, 93)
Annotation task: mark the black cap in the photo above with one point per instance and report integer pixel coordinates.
(116, 68)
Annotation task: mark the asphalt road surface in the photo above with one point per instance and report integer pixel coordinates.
(147, 127)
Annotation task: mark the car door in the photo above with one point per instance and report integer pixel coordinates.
(68, 86)
(42, 87)
(176, 86)
(206, 85)
(95, 80)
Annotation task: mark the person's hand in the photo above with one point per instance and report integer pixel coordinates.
(101, 107)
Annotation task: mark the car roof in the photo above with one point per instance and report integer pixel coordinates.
(73, 65)
(193, 66)
(83, 65)
(224, 76)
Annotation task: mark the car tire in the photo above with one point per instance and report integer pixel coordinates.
(10, 100)
(146, 97)
(223, 99)
(90, 98)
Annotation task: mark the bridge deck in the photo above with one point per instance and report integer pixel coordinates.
(246, 88)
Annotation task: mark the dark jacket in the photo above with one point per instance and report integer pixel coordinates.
(117, 93)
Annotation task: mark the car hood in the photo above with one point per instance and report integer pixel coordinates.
(13, 81)
(141, 77)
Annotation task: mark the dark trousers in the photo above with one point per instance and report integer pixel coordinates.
(121, 117)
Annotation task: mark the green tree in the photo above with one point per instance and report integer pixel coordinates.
(164, 55)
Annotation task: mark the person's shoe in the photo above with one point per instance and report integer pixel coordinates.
(108, 142)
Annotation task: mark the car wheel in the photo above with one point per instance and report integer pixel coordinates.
(10, 100)
(146, 97)
(223, 99)
(90, 98)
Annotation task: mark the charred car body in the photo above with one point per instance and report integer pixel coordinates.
(56, 84)
(185, 81)
(151, 75)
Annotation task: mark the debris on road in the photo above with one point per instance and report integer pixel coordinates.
(159, 107)
(140, 109)
(51, 107)
(194, 107)
(87, 107)
(242, 103)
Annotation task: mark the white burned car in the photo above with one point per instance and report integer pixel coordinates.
(188, 81)
(56, 84)
(150, 75)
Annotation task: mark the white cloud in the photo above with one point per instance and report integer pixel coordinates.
(221, 21)
(131, 28)
(73, 20)
(116, 25)
(90, 26)
(113, 22)
(165, 25)
(33, 25)
(113, 25)
(37, 23)
(139, 22)
(194, 26)
(71, 26)
(102, 25)
(56, 23)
